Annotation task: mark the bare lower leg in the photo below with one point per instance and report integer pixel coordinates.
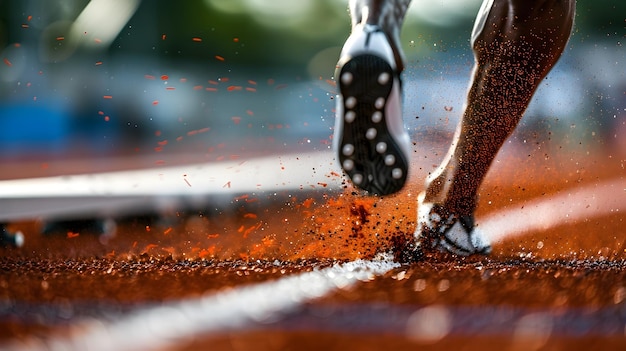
(516, 43)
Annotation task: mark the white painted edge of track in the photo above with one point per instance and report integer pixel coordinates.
(173, 323)
(568, 206)
(114, 192)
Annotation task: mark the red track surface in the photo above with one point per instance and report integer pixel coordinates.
(561, 287)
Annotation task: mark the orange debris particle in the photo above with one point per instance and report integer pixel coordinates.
(24, 25)
(250, 113)
(212, 236)
(29, 18)
(198, 87)
(236, 40)
(155, 102)
(234, 87)
(147, 76)
(219, 58)
(208, 252)
(163, 37)
(210, 89)
(60, 38)
(165, 77)
(7, 62)
(250, 215)
(196, 39)
(71, 235)
(251, 89)
(236, 119)
(150, 247)
(308, 202)
(98, 63)
(170, 88)
(148, 228)
(168, 231)
(251, 82)
(107, 97)
(107, 118)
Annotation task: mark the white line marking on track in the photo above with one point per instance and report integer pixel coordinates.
(568, 206)
(173, 323)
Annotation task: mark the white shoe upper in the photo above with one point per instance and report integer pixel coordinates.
(450, 235)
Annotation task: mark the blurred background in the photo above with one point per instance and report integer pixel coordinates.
(91, 80)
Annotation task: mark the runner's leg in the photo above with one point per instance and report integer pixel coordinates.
(515, 44)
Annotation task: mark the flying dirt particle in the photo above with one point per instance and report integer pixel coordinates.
(196, 39)
(107, 97)
(165, 77)
(71, 235)
(280, 86)
(150, 247)
(219, 58)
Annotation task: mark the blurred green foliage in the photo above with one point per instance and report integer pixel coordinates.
(279, 32)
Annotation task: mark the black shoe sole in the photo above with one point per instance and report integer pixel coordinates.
(371, 167)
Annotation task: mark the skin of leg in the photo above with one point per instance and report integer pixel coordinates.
(387, 14)
(515, 44)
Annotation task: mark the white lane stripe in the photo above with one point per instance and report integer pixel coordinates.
(168, 325)
(568, 206)
(114, 193)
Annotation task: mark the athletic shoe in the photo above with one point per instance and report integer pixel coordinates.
(438, 229)
(370, 139)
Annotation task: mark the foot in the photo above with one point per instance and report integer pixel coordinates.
(439, 229)
(370, 138)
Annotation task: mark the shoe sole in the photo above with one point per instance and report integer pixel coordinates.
(368, 152)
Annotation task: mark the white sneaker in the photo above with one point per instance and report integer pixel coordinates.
(370, 139)
(437, 229)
